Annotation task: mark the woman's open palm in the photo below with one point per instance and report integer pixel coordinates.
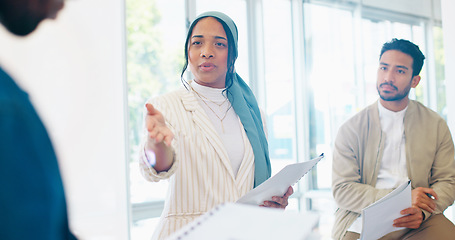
(156, 126)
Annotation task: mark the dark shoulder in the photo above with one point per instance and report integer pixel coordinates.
(16, 106)
(10, 92)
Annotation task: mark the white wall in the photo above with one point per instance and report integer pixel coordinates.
(74, 70)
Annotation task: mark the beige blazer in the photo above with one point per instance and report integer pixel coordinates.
(201, 176)
(357, 158)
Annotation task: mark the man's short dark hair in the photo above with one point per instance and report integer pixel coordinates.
(409, 48)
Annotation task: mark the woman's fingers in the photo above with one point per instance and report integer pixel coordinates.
(156, 126)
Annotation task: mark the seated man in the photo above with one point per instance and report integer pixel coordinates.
(389, 142)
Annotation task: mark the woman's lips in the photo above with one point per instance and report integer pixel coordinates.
(206, 67)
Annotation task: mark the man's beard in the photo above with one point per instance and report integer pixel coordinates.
(398, 96)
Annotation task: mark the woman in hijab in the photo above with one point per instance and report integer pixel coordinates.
(208, 137)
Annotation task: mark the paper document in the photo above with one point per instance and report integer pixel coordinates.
(246, 222)
(377, 219)
(279, 184)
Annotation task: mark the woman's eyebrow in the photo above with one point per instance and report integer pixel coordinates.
(219, 37)
(202, 36)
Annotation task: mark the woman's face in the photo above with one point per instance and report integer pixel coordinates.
(208, 53)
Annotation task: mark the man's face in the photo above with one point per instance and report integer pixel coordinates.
(21, 17)
(395, 78)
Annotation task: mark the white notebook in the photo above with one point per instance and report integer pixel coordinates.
(279, 183)
(377, 219)
(232, 221)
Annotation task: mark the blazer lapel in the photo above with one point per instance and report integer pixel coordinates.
(201, 119)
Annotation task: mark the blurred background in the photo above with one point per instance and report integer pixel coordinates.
(311, 63)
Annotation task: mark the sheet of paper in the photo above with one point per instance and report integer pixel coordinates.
(246, 222)
(377, 219)
(279, 184)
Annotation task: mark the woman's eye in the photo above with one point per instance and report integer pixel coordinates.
(220, 44)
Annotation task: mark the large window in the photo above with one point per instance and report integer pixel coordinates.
(155, 58)
(278, 83)
(311, 64)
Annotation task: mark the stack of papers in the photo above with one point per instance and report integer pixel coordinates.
(279, 184)
(377, 219)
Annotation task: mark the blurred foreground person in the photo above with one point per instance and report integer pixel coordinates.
(32, 199)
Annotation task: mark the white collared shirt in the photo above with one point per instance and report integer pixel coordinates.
(393, 170)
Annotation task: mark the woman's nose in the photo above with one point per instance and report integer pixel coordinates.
(207, 52)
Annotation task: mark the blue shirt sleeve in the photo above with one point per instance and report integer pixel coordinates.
(32, 199)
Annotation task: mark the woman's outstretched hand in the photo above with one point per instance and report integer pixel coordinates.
(157, 149)
(156, 127)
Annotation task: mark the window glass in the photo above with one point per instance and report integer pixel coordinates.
(331, 73)
(420, 93)
(154, 62)
(374, 34)
(440, 72)
(155, 58)
(279, 82)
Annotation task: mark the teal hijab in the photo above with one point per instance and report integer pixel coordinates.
(245, 105)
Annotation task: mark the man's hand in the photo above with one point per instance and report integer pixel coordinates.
(413, 218)
(279, 202)
(421, 199)
(156, 127)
